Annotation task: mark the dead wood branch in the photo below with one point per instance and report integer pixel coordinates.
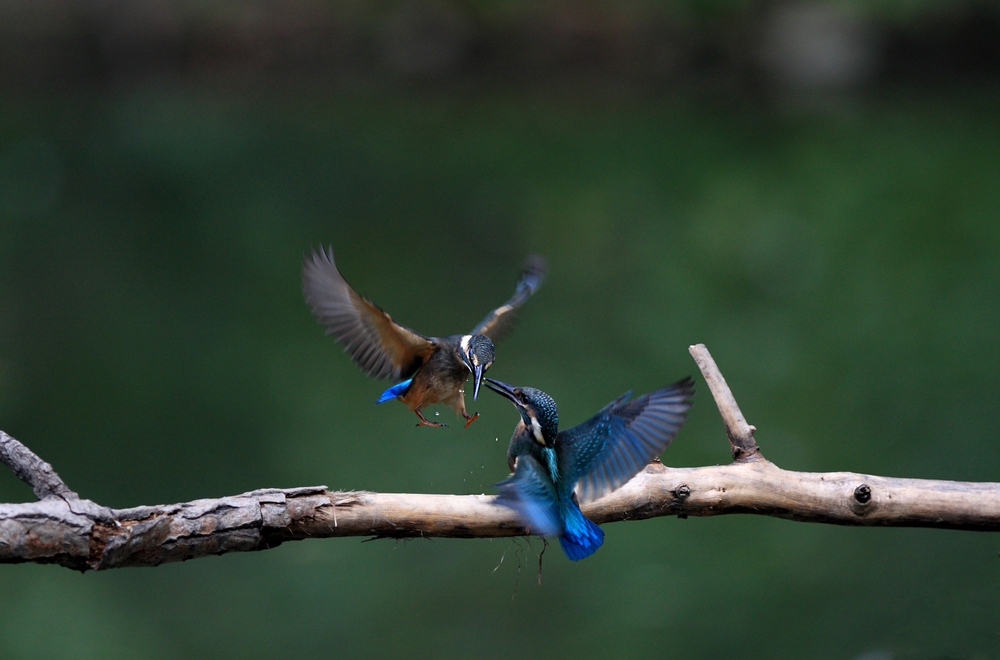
(64, 529)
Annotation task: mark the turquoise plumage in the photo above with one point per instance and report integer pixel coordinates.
(554, 471)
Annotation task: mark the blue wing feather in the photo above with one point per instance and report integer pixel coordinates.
(605, 452)
(531, 493)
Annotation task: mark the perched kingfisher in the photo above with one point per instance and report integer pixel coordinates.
(554, 471)
(429, 369)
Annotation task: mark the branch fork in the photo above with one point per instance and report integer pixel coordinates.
(65, 529)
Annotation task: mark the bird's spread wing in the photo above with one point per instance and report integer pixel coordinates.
(500, 321)
(376, 343)
(610, 448)
(531, 493)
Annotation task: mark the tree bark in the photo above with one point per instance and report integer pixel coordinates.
(62, 528)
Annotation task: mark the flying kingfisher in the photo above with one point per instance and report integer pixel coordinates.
(429, 369)
(554, 471)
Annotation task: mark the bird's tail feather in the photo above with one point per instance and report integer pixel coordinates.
(397, 390)
(581, 537)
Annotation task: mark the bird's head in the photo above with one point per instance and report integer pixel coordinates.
(537, 409)
(476, 352)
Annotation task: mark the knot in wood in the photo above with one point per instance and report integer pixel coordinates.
(863, 494)
(682, 492)
(745, 454)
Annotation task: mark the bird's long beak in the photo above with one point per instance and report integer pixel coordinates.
(501, 388)
(477, 379)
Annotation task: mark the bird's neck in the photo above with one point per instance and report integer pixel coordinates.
(551, 462)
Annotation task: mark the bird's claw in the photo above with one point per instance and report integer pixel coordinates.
(425, 422)
(469, 420)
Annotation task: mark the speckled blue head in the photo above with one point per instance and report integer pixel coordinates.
(538, 410)
(477, 353)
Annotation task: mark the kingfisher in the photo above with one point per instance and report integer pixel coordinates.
(427, 369)
(554, 471)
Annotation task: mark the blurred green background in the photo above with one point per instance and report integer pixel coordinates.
(834, 241)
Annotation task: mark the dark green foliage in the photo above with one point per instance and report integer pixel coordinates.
(843, 266)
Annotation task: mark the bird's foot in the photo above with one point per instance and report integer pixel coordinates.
(469, 420)
(425, 422)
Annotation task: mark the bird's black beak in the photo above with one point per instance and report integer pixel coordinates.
(477, 379)
(501, 388)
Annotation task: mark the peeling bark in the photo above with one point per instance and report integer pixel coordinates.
(63, 529)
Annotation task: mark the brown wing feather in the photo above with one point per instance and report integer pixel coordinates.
(500, 321)
(378, 345)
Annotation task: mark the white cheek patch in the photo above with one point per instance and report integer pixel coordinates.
(536, 429)
(463, 346)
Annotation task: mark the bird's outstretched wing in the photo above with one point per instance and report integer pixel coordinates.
(376, 343)
(500, 321)
(533, 495)
(603, 453)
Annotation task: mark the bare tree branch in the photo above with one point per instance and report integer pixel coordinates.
(63, 529)
(32, 470)
(741, 441)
